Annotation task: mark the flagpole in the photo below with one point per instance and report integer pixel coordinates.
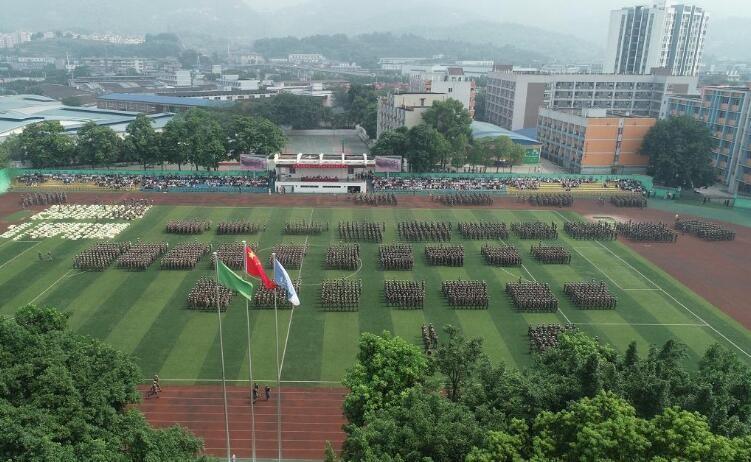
(221, 352)
(250, 365)
(278, 374)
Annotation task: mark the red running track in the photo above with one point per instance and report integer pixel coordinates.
(310, 417)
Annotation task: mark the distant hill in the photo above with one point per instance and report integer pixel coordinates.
(365, 49)
(135, 16)
(560, 48)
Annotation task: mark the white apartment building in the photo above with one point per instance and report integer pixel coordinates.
(404, 109)
(233, 82)
(513, 99)
(663, 35)
(452, 82)
(305, 58)
(181, 78)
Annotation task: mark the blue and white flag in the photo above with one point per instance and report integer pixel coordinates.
(282, 280)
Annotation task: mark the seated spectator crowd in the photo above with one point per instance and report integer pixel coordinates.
(469, 183)
(146, 182)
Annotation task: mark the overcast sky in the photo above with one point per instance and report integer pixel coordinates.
(585, 18)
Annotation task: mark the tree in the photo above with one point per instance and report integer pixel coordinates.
(425, 148)
(387, 368)
(172, 142)
(422, 427)
(45, 144)
(502, 446)
(456, 358)
(680, 150)
(98, 145)
(604, 427)
(66, 397)
(391, 143)
(204, 139)
(298, 111)
(72, 101)
(723, 392)
(255, 135)
(453, 121)
(141, 141)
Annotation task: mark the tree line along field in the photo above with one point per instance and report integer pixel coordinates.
(145, 314)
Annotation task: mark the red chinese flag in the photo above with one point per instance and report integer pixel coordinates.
(254, 267)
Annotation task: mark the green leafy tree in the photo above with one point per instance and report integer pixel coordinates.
(298, 111)
(456, 358)
(45, 144)
(422, 427)
(722, 392)
(255, 135)
(425, 148)
(141, 141)
(387, 368)
(391, 143)
(172, 142)
(204, 140)
(453, 121)
(680, 150)
(503, 446)
(66, 397)
(98, 145)
(72, 101)
(604, 427)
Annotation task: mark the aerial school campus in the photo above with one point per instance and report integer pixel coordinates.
(512, 258)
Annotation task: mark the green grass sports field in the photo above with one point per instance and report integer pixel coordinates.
(144, 313)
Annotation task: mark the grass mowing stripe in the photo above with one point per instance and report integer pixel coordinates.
(339, 338)
(307, 328)
(11, 252)
(374, 315)
(436, 310)
(24, 279)
(235, 326)
(262, 338)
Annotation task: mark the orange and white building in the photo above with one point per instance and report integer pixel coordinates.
(595, 141)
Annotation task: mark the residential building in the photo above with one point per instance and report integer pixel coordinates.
(513, 99)
(305, 58)
(119, 65)
(234, 82)
(452, 82)
(404, 109)
(663, 35)
(726, 111)
(181, 78)
(594, 140)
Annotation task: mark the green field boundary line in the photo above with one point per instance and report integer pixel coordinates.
(26, 250)
(51, 286)
(715, 330)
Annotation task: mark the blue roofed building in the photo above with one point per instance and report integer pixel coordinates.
(487, 130)
(149, 103)
(18, 111)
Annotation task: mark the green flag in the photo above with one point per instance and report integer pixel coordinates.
(230, 280)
